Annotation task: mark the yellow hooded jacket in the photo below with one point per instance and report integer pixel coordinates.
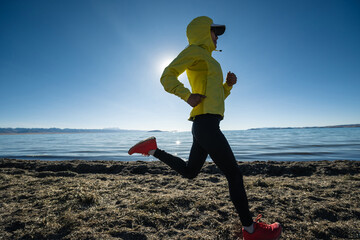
(203, 71)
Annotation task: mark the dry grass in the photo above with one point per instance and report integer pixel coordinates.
(112, 200)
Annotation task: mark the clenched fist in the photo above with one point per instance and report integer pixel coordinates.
(231, 79)
(195, 99)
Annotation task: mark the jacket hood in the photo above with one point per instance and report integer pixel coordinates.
(198, 33)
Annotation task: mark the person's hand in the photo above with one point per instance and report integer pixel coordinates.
(195, 99)
(231, 79)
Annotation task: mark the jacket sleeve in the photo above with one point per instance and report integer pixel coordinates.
(226, 90)
(169, 78)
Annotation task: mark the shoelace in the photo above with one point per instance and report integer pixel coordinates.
(258, 218)
(261, 224)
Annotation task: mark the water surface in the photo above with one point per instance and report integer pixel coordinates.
(248, 145)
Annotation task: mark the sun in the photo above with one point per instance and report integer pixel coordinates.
(164, 62)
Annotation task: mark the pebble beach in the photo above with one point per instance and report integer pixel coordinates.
(147, 200)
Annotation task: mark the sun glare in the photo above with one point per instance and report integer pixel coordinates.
(163, 63)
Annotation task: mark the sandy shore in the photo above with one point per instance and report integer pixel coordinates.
(147, 200)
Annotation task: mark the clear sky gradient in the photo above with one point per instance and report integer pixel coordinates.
(97, 63)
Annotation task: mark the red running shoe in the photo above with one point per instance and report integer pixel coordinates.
(263, 231)
(144, 146)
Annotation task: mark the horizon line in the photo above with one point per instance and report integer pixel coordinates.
(115, 129)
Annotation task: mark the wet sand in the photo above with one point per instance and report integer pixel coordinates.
(147, 200)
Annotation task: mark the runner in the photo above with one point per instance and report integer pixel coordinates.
(207, 99)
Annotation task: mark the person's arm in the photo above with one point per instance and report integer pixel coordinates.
(169, 78)
(231, 80)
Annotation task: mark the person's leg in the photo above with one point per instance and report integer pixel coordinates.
(210, 137)
(224, 158)
(189, 169)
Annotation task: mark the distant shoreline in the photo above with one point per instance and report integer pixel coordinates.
(35, 133)
(333, 126)
(23, 131)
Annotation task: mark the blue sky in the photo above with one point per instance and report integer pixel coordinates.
(97, 63)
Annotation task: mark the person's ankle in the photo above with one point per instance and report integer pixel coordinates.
(249, 229)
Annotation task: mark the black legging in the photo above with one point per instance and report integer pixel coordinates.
(208, 139)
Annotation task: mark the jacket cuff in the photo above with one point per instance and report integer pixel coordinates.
(186, 97)
(227, 87)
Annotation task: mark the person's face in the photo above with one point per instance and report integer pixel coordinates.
(214, 37)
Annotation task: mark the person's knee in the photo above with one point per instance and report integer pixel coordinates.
(239, 178)
(190, 175)
(235, 176)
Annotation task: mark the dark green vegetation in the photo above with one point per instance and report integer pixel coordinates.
(138, 200)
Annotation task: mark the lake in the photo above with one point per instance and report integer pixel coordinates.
(306, 144)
